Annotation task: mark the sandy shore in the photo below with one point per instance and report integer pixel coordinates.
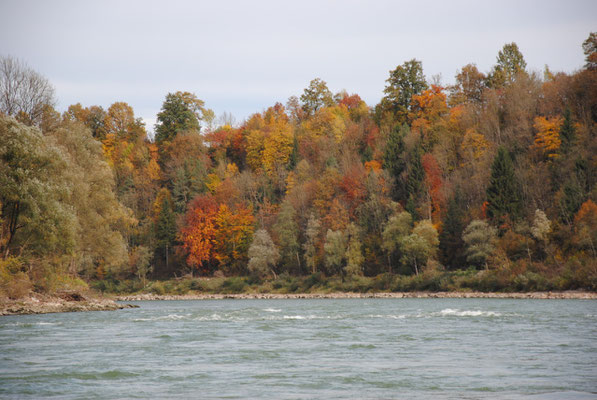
(400, 295)
(65, 302)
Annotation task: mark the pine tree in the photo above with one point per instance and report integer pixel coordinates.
(165, 227)
(450, 240)
(567, 132)
(394, 161)
(414, 183)
(503, 193)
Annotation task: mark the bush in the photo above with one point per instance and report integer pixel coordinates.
(234, 284)
(14, 282)
(157, 288)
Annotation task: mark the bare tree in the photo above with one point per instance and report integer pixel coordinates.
(23, 92)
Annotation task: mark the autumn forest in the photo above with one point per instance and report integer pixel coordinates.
(486, 184)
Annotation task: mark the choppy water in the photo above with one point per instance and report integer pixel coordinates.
(307, 349)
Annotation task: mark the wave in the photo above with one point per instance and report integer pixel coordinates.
(272, 309)
(468, 313)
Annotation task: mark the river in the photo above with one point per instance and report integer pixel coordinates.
(306, 349)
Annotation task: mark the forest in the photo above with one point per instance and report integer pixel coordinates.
(486, 184)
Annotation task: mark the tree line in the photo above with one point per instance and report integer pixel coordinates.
(494, 173)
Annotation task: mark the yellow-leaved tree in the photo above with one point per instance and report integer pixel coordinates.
(547, 138)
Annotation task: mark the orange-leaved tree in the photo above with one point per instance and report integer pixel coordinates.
(199, 232)
(547, 139)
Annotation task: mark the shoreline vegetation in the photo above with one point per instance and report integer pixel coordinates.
(485, 186)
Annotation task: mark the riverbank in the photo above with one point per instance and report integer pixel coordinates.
(351, 295)
(37, 303)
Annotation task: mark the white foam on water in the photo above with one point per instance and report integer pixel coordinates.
(388, 316)
(169, 317)
(272, 309)
(294, 317)
(468, 313)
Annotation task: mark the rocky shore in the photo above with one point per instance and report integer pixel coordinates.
(491, 295)
(61, 302)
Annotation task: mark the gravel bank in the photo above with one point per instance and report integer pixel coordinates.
(529, 295)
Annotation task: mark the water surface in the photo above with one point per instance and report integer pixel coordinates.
(306, 349)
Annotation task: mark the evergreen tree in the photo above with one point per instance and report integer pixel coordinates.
(450, 240)
(394, 161)
(165, 227)
(503, 193)
(414, 183)
(178, 114)
(567, 132)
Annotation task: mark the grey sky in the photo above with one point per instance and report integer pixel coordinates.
(243, 56)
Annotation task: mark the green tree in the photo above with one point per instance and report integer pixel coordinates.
(335, 251)
(567, 132)
(420, 245)
(34, 216)
(398, 226)
(394, 160)
(450, 239)
(312, 233)
(404, 82)
(510, 63)
(287, 232)
(102, 221)
(165, 226)
(479, 238)
(181, 111)
(354, 254)
(414, 181)
(263, 255)
(503, 193)
(141, 262)
(316, 96)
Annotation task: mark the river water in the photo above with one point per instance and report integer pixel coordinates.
(306, 349)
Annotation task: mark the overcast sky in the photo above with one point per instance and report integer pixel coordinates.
(244, 56)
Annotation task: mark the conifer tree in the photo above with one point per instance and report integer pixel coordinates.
(165, 227)
(503, 193)
(567, 132)
(450, 240)
(394, 161)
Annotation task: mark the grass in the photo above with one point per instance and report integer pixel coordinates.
(431, 281)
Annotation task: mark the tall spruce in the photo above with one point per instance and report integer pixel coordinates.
(503, 193)
(451, 244)
(394, 160)
(165, 227)
(567, 132)
(414, 182)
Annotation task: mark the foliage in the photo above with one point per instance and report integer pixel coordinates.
(316, 96)
(372, 197)
(503, 192)
(406, 81)
(479, 238)
(547, 138)
(263, 254)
